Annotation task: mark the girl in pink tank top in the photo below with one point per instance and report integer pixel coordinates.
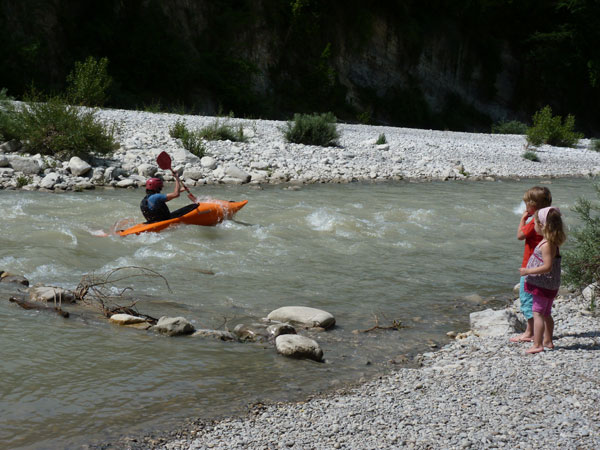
(543, 275)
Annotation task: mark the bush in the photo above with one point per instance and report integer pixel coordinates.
(315, 129)
(509, 127)
(381, 139)
(55, 128)
(88, 83)
(531, 156)
(222, 132)
(595, 145)
(191, 140)
(23, 180)
(582, 262)
(551, 130)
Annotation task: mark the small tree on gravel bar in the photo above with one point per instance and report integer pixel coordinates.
(551, 130)
(312, 129)
(582, 262)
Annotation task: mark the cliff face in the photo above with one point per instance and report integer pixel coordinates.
(389, 63)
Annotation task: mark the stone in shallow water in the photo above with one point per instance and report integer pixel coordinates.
(173, 326)
(303, 316)
(296, 346)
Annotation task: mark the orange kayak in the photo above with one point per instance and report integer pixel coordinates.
(207, 214)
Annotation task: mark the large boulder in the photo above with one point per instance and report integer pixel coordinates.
(10, 146)
(173, 326)
(495, 323)
(78, 166)
(303, 316)
(233, 171)
(296, 346)
(28, 166)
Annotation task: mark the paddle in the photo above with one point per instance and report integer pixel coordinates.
(164, 162)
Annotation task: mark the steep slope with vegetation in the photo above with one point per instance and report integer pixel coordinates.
(460, 66)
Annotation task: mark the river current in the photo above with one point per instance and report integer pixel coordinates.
(423, 254)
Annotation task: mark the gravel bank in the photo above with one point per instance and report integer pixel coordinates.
(473, 393)
(266, 158)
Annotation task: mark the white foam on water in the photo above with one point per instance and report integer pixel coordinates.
(321, 220)
(420, 217)
(519, 210)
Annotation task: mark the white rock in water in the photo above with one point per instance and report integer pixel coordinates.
(296, 346)
(494, 323)
(303, 316)
(78, 166)
(50, 294)
(126, 319)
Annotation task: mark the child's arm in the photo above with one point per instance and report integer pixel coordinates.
(548, 253)
(524, 217)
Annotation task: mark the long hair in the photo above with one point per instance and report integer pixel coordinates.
(553, 230)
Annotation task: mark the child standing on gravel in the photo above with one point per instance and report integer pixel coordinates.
(535, 198)
(542, 275)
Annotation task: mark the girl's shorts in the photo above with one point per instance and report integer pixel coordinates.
(542, 305)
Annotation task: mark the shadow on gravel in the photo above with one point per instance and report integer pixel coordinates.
(587, 334)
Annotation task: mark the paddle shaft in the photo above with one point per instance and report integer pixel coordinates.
(164, 162)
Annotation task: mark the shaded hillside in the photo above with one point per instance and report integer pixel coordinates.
(411, 63)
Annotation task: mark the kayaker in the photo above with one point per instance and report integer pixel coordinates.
(154, 205)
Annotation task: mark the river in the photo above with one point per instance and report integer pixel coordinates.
(417, 253)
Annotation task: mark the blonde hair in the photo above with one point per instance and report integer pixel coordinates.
(553, 230)
(539, 197)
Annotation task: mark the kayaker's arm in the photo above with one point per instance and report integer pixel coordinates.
(177, 189)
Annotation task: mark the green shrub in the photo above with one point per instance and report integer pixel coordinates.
(4, 97)
(191, 140)
(582, 261)
(222, 132)
(595, 145)
(88, 83)
(381, 139)
(55, 128)
(509, 127)
(315, 129)
(23, 180)
(531, 156)
(9, 124)
(551, 130)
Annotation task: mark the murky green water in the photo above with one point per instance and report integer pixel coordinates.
(411, 252)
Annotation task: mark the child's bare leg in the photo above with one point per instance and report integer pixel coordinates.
(548, 331)
(528, 333)
(538, 333)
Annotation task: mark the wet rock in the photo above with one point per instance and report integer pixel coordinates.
(216, 334)
(303, 316)
(296, 346)
(279, 329)
(245, 333)
(173, 326)
(494, 323)
(7, 277)
(127, 319)
(45, 294)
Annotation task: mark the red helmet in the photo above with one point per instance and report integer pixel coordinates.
(154, 184)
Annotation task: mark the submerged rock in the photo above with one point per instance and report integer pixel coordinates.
(216, 334)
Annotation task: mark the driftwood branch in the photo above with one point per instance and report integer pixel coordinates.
(102, 291)
(396, 325)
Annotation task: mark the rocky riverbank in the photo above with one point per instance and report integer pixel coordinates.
(266, 157)
(477, 392)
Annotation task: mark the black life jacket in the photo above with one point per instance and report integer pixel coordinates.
(159, 213)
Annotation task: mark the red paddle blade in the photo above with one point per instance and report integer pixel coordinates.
(164, 161)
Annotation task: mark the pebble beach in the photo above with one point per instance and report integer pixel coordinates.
(476, 392)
